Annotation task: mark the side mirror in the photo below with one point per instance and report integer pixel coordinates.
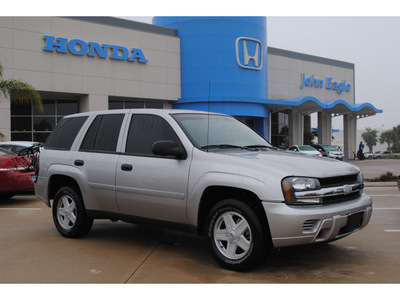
(169, 148)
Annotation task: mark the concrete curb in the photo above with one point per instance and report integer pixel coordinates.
(380, 184)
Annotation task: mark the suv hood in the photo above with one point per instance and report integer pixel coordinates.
(295, 164)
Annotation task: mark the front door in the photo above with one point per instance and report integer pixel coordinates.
(147, 185)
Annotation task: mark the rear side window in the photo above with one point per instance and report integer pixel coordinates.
(144, 130)
(103, 134)
(65, 133)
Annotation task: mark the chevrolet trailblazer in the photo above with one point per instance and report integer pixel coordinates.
(205, 171)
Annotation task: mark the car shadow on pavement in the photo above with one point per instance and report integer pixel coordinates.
(322, 263)
(189, 254)
(17, 201)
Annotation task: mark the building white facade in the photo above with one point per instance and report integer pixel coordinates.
(93, 81)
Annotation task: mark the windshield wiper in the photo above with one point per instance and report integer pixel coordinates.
(259, 146)
(227, 146)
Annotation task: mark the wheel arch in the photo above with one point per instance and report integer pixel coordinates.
(215, 194)
(57, 181)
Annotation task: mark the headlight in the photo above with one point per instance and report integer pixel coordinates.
(360, 178)
(306, 186)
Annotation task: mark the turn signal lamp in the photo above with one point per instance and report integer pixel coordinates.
(293, 185)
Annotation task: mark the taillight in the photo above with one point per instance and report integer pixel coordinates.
(21, 162)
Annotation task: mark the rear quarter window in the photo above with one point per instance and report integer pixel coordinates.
(65, 133)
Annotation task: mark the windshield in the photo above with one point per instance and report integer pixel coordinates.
(330, 148)
(207, 131)
(306, 148)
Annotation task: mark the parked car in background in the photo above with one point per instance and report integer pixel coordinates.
(22, 147)
(370, 155)
(305, 149)
(381, 154)
(330, 151)
(16, 175)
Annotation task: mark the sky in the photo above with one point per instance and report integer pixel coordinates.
(367, 35)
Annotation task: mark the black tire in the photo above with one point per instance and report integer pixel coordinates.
(69, 214)
(6, 196)
(238, 239)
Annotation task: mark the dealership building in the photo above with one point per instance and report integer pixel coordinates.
(217, 64)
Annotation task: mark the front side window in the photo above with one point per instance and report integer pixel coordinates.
(144, 131)
(103, 133)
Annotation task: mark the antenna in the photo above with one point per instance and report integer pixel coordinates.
(209, 106)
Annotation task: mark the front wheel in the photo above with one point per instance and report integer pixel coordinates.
(236, 235)
(69, 214)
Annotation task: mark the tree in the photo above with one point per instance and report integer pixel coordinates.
(389, 137)
(396, 142)
(370, 136)
(17, 91)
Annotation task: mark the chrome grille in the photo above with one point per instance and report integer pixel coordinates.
(334, 190)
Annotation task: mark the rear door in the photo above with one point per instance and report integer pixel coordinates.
(147, 185)
(97, 159)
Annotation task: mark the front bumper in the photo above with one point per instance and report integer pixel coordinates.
(303, 225)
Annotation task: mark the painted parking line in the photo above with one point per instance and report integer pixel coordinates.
(386, 208)
(22, 208)
(384, 195)
(392, 230)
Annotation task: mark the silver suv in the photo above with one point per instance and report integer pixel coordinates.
(208, 172)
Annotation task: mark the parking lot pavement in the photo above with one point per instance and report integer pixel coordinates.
(127, 253)
(373, 168)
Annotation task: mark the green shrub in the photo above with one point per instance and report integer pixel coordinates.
(387, 177)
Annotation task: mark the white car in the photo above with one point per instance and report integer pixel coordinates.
(21, 147)
(330, 151)
(380, 154)
(305, 149)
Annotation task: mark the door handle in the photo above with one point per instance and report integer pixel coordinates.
(126, 167)
(79, 162)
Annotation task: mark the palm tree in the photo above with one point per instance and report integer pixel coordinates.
(370, 136)
(396, 143)
(389, 137)
(17, 91)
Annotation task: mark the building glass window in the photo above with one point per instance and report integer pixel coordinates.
(129, 104)
(29, 124)
(280, 130)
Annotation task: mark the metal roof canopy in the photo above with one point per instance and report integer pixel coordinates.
(309, 104)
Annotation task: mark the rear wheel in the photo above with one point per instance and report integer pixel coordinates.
(69, 214)
(236, 235)
(6, 196)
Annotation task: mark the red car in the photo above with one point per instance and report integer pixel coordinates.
(16, 174)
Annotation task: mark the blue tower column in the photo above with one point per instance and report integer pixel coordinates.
(223, 65)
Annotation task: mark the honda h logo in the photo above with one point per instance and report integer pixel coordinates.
(249, 53)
